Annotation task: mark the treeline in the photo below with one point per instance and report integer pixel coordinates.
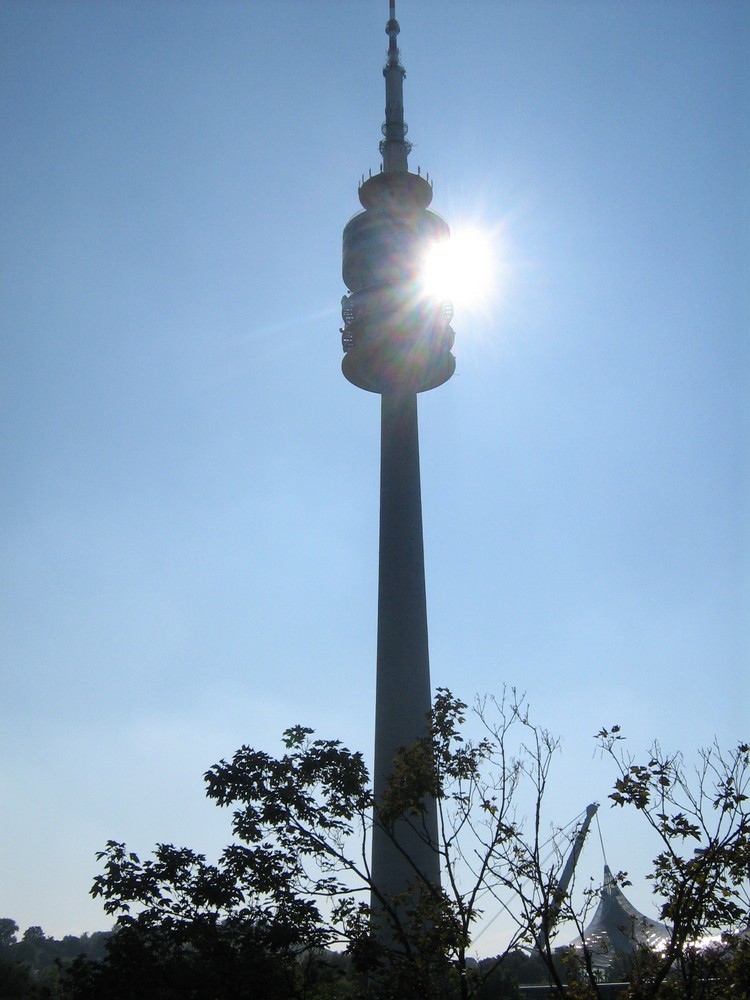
(33, 965)
(215, 962)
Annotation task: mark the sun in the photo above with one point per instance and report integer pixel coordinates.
(461, 268)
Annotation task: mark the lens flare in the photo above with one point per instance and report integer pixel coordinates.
(461, 268)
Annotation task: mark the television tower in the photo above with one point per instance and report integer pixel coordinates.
(397, 341)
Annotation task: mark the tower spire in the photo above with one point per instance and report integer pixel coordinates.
(394, 147)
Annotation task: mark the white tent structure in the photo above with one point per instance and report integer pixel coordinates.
(617, 928)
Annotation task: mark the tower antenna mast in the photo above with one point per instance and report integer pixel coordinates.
(393, 147)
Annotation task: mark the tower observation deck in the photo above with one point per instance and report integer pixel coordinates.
(396, 336)
(397, 342)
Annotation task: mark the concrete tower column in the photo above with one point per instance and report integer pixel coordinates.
(403, 693)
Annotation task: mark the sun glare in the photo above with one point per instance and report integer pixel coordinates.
(461, 268)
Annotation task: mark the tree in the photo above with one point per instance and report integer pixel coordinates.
(296, 878)
(8, 931)
(199, 931)
(16, 982)
(298, 869)
(38, 966)
(701, 875)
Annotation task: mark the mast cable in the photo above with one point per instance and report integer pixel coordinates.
(601, 840)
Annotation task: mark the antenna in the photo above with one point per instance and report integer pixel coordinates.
(393, 147)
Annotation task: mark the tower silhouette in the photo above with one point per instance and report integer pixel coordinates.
(397, 341)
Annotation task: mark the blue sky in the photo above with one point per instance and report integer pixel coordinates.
(190, 492)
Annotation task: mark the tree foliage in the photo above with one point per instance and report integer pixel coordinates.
(298, 873)
(296, 877)
(701, 875)
(36, 967)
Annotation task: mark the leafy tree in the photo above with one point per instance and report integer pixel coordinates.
(27, 967)
(298, 870)
(16, 982)
(34, 948)
(308, 816)
(701, 874)
(296, 878)
(39, 967)
(8, 931)
(198, 931)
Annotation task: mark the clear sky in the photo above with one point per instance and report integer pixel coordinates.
(189, 485)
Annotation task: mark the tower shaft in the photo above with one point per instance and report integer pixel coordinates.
(403, 693)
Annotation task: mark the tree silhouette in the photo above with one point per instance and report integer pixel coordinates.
(296, 877)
